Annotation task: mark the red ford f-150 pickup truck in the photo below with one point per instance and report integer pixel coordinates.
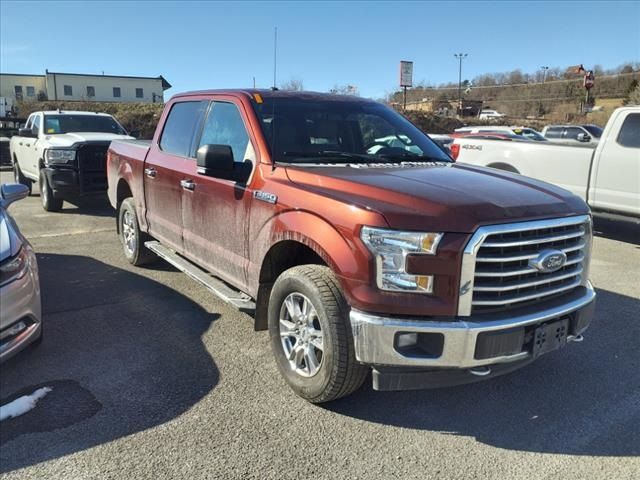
(355, 240)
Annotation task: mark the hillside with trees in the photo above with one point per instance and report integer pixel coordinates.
(552, 94)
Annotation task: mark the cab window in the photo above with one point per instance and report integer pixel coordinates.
(553, 132)
(224, 126)
(181, 126)
(37, 123)
(629, 135)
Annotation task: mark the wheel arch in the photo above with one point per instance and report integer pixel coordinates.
(123, 191)
(299, 240)
(503, 166)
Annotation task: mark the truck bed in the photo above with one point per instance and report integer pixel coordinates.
(564, 165)
(125, 160)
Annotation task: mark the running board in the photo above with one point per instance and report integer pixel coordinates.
(238, 299)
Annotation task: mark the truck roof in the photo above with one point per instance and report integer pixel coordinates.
(269, 93)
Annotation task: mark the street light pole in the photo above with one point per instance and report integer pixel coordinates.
(460, 57)
(544, 73)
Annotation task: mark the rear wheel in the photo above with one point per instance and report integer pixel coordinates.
(49, 203)
(18, 177)
(310, 335)
(130, 235)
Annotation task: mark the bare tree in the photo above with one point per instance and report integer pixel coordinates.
(294, 84)
(345, 90)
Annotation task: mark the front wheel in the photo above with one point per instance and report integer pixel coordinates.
(49, 203)
(19, 177)
(310, 335)
(131, 237)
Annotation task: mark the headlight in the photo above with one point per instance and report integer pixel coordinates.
(390, 249)
(14, 268)
(59, 156)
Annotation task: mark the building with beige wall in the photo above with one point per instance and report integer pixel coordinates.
(59, 86)
(17, 86)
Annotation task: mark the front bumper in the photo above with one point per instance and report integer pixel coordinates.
(20, 311)
(69, 183)
(471, 343)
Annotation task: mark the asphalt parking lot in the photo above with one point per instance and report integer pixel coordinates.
(153, 377)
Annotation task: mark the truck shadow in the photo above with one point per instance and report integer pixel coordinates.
(560, 404)
(122, 352)
(622, 231)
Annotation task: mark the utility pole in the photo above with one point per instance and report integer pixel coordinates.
(460, 57)
(544, 73)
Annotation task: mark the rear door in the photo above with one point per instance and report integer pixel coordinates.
(168, 163)
(215, 210)
(616, 178)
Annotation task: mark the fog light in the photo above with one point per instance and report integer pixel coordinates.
(13, 330)
(405, 340)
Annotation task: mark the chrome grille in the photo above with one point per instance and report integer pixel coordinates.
(496, 274)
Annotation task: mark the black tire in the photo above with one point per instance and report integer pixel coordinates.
(131, 237)
(49, 203)
(339, 373)
(18, 176)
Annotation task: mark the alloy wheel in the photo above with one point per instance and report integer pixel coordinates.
(301, 335)
(129, 232)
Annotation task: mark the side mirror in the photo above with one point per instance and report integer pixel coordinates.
(583, 137)
(216, 161)
(134, 133)
(25, 132)
(12, 192)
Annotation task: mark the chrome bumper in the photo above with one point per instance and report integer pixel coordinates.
(375, 337)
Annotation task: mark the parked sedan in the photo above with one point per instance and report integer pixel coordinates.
(20, 305)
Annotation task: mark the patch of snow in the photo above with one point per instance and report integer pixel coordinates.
(22, 405)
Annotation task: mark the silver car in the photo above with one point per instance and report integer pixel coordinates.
(20, 305)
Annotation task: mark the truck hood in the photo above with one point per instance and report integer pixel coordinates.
(68, 139)
(440, 197)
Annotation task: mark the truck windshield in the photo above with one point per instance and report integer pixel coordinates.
(594, 130)
(314, 131)
(55, 124)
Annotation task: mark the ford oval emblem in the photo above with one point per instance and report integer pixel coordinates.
(549, 261)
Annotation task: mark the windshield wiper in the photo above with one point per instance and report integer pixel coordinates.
(412, 157)
(331, 154)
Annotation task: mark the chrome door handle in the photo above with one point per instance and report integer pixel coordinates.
(150, 172)
(187, 184)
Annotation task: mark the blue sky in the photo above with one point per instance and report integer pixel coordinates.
(218, 44)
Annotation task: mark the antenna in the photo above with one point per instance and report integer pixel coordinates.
(275, 56)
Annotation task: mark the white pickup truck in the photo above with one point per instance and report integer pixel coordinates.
(66, 152)
(607, 176)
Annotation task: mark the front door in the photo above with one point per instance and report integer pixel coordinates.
(216, 211)
(616, 180)
(168, 162)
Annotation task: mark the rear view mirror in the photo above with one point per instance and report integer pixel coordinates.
(12, 192)
(583, 137)
(25, 132)
(215, 161)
